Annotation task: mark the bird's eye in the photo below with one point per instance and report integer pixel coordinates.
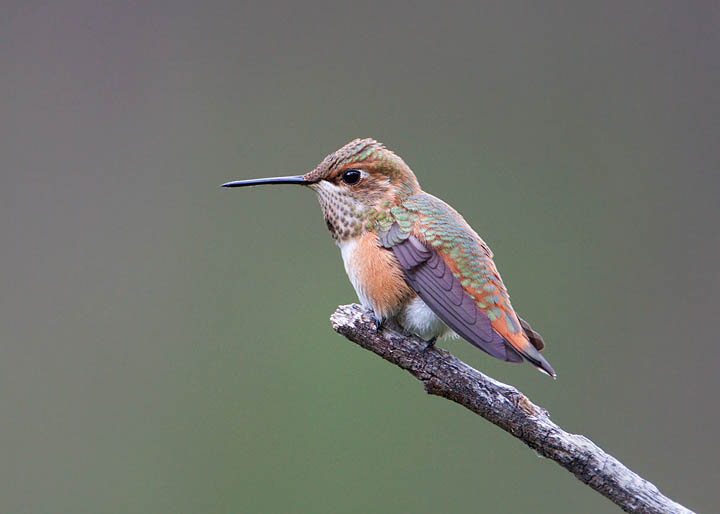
(351, 177)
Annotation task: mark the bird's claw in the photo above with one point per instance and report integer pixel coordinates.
(378, 324)
(429, 344)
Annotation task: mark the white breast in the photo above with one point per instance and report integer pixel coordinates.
(347, 250)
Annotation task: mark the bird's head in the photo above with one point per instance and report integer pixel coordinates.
(354, 185)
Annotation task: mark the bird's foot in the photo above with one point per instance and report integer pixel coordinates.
(378, 323)
(429, 344)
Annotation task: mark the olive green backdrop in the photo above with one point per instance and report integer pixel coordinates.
(165, 344)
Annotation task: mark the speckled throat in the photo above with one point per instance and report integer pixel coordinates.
(344, 214)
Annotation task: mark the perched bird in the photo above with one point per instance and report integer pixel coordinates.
(411, 257)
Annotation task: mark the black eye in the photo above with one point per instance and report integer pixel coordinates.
(351, 177)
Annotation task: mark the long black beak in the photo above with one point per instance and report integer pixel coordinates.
(297, 179)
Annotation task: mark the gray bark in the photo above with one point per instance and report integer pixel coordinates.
(501, 404)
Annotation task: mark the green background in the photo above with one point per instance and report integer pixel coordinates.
(165, 344)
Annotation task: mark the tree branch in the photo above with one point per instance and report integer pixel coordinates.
(446, 376)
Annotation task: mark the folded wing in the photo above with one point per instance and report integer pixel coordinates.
(429, 276)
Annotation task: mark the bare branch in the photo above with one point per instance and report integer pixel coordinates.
(444, 375)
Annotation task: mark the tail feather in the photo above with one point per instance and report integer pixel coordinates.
(537, 360)
(530, 354)
(535, 338)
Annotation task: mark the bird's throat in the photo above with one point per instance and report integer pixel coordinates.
(344, 214)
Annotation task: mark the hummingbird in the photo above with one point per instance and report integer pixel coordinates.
(411, 258)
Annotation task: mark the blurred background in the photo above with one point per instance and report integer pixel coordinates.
(165, 343)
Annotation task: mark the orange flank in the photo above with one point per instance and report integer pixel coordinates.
(378, 274)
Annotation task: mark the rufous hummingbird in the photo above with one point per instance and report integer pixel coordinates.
(411, 257)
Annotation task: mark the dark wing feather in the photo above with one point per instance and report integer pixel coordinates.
(429, 276)
(535, 338)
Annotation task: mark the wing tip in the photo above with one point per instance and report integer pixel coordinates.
(542, 365)
(549, 372)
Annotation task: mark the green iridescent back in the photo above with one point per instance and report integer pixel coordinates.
(441, 228)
